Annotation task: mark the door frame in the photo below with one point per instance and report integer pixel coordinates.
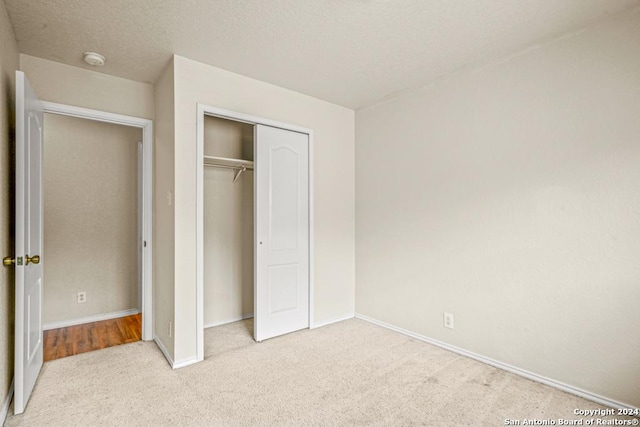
(207, 110)
(146, 125)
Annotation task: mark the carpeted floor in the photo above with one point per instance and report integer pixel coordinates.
(349, 373)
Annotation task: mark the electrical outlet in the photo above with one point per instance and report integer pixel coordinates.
(170, 329)
(82, 297)
(448, 320)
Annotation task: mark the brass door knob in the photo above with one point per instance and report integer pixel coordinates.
(32, 260)
(8, 261)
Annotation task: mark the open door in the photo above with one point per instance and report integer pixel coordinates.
(28, 223)
(281, 182)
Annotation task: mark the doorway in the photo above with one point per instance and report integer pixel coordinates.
(92, 233)
(137, 233)
(228, 221)
(29, 248)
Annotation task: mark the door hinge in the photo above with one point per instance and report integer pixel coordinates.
(145, 244)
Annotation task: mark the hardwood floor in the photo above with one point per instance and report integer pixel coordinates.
(78, 339)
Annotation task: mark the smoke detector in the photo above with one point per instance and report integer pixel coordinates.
(93, 59)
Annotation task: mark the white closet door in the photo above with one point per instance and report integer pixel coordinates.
(282, 232)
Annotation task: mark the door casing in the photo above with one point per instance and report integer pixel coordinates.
(207, 110)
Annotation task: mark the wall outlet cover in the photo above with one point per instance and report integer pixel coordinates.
(448, 320)
(82, 297)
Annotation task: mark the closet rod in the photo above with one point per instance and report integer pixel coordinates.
(228, 163)
(238, 165)
(249, 168)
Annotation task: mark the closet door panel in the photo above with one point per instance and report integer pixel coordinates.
(284, 226)
(282, 232)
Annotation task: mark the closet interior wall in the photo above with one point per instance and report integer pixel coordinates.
(228, 224)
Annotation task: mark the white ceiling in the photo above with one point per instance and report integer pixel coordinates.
(349, 52)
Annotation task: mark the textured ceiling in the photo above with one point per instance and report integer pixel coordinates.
(349, 52)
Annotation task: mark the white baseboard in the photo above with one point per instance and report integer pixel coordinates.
(514, 370)
(183, 363)
(163, 349)
(5, 406)
(172, 363)
(224, 322)
(249, 316)
(89, 319)
(329, 322)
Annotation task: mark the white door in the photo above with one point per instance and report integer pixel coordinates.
(28, 290)
(281, 179)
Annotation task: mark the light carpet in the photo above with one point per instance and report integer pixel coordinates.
(348, 373)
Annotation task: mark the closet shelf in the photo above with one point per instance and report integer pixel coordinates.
(227, 162)
(238, 165)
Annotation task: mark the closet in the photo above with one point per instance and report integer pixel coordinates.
(228, 221)
(255, 226)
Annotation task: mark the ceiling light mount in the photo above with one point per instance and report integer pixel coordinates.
(94, 59)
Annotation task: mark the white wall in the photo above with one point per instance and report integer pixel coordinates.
(333, 186)
(164, 213)
(9, 61)
(228, 224)
(69, 85)
(90, 217)
(509, 195)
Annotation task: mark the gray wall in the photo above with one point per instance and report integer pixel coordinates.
(509, 195)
